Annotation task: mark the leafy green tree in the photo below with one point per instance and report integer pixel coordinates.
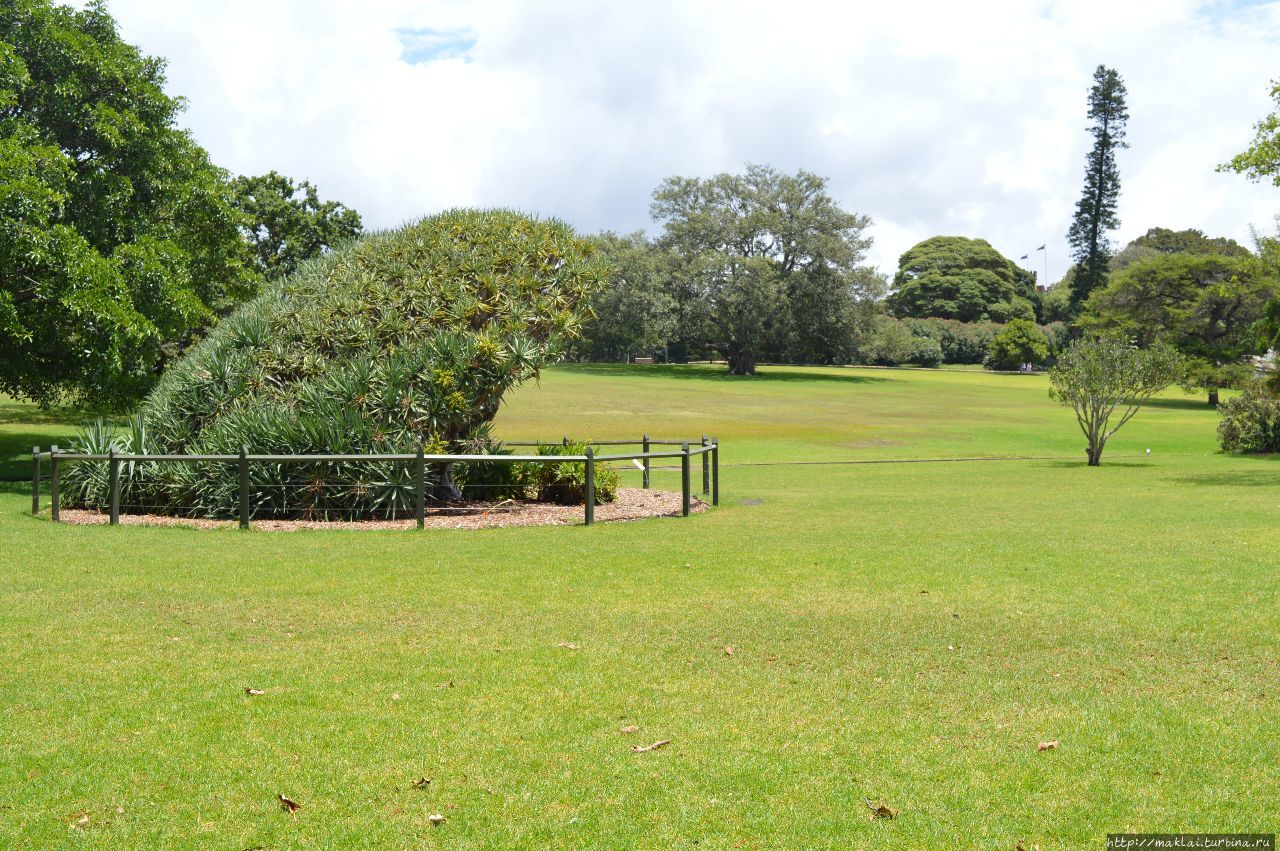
(1096, 211)
(954, 277)
(634, 313)
(1262, 158)
(830, 314)
(118, 237)
(1100, 376)
(750, 247)
(1205, 305)
(286, 222)
(1190, 241)
(1018, 343)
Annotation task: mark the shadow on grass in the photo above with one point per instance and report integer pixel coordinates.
(15, 452)
(1179, 404)
(711, 373)
(1267, 474)
(1064, 465)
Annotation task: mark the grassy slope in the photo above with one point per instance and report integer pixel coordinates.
(905, 632)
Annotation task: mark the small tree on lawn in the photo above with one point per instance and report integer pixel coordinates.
(1102, 376)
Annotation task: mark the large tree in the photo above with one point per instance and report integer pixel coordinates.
(1096, 211)
(752, 247)
(954, 277)
(286, 222)
(118, 237)
(634, 313)
(1205, 305)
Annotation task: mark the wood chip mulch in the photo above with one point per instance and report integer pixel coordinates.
(631, 504)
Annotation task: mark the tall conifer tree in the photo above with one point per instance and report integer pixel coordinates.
(1096, 210)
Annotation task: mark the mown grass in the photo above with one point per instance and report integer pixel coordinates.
(905, 633)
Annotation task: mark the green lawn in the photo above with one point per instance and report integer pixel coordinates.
(905, 633)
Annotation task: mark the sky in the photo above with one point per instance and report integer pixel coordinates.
(930, 117)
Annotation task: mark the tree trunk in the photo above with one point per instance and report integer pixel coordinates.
(1095, 455)
(1213, 397)
(445, 490)
(742, 364)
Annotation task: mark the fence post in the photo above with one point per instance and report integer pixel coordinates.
(420, 489)
(591, 486)
(706, 468)
(113, 465)
(715, 471)
(54, 514)
(684, 479)
(244, 488)
(646, 462)
(35, 480)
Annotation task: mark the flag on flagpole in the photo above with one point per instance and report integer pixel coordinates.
(1041, 248)
(1023, 257)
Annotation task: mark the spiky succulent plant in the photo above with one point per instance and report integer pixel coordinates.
(407, 337)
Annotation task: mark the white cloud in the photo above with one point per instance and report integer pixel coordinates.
(930, 117)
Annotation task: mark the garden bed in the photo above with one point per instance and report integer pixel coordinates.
(631, 504)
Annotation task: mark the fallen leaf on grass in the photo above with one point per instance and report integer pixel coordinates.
(1047, 746)
(567, 645)
(289, 805)
(881, 811)
(1020, 847)
(652, 747)
(630, 728)
(119, 811)
(421, 783)
(435, 819)
(254, 692)
(81, 823)
(449, 684)
(728, 651)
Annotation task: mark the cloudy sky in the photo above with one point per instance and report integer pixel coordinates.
(932, 118)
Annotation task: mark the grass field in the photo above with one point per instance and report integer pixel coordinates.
(901, 632)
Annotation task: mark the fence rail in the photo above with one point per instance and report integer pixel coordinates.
(708, 449)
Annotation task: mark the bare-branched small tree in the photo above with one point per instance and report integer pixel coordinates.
(1102, 377)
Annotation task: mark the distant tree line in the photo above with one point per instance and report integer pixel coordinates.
(765, 266)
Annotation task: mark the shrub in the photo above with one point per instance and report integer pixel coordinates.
(566, 483)
(408, 337)
(961, 342)
(928, 352)
(1251, 421)
(1020, 342)
(889, 343)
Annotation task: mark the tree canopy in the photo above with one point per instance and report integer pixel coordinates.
(1205, 305)
(118, 237)
(1261, 160)
(634, 313)
(286, 222)
(954, 277)
(1189, 241)
(762, 258)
